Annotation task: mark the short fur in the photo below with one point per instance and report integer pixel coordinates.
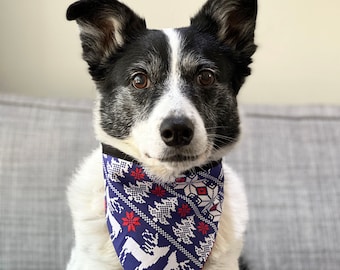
(118, 47)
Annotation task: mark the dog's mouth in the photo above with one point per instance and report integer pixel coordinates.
(179, 158)
(174, 158)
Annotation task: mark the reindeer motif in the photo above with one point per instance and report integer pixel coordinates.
(116, 228)
(113, 206)
(173, 264)
(148, 254)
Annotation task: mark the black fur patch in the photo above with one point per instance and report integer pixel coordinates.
(233, 23)
(217, 103)
(122, 105)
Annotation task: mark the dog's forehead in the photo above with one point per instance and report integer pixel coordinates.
(178, 51)
(181, 48)
(157, 52)
(156, 43)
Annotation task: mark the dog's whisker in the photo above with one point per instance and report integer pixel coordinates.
(222, 138)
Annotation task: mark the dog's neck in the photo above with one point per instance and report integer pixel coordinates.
(169, 224)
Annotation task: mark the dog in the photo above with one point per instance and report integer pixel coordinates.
(166, 106)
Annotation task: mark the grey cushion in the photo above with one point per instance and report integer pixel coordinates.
(41, 143)
(289, 158)
(290, 161)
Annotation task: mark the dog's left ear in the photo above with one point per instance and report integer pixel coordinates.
(233, 21)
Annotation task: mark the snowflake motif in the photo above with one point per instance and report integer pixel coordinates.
(158, 191)
(203, 228)
(138, 174)
(184, 210)
(131, 221)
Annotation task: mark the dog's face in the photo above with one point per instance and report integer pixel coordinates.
(168, 97)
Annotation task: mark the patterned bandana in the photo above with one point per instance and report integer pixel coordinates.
(156, 226)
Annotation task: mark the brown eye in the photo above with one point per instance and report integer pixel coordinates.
(140, 81)
(206, 78)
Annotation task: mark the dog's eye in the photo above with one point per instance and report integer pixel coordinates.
(140, 81)
(206, 78)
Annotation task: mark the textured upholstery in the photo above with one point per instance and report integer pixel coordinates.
(289, 158)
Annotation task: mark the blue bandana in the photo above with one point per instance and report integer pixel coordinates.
(156, 226)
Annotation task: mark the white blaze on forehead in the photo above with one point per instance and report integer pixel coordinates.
(175, 53)
(174, 103)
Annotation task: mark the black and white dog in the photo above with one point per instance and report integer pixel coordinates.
(166, 106)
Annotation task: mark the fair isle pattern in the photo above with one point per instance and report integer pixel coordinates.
(156, 226)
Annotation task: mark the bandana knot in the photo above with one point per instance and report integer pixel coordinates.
(153, 225)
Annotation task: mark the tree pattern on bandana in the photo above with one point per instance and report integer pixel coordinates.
(156, 226)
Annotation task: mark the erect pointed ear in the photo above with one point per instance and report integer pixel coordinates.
(233, 21)
(105, 26)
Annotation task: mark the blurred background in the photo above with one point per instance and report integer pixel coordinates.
(297, 62)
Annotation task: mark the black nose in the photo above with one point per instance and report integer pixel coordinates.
(176, 132)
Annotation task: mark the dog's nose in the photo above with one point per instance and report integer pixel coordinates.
(176, 132)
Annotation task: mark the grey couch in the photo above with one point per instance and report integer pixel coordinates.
(289, 158)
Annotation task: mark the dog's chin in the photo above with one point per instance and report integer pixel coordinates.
(168, 167)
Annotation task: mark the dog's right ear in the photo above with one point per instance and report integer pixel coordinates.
(105, 26)
(232, 21)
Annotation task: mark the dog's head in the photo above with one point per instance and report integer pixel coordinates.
(167, 97)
